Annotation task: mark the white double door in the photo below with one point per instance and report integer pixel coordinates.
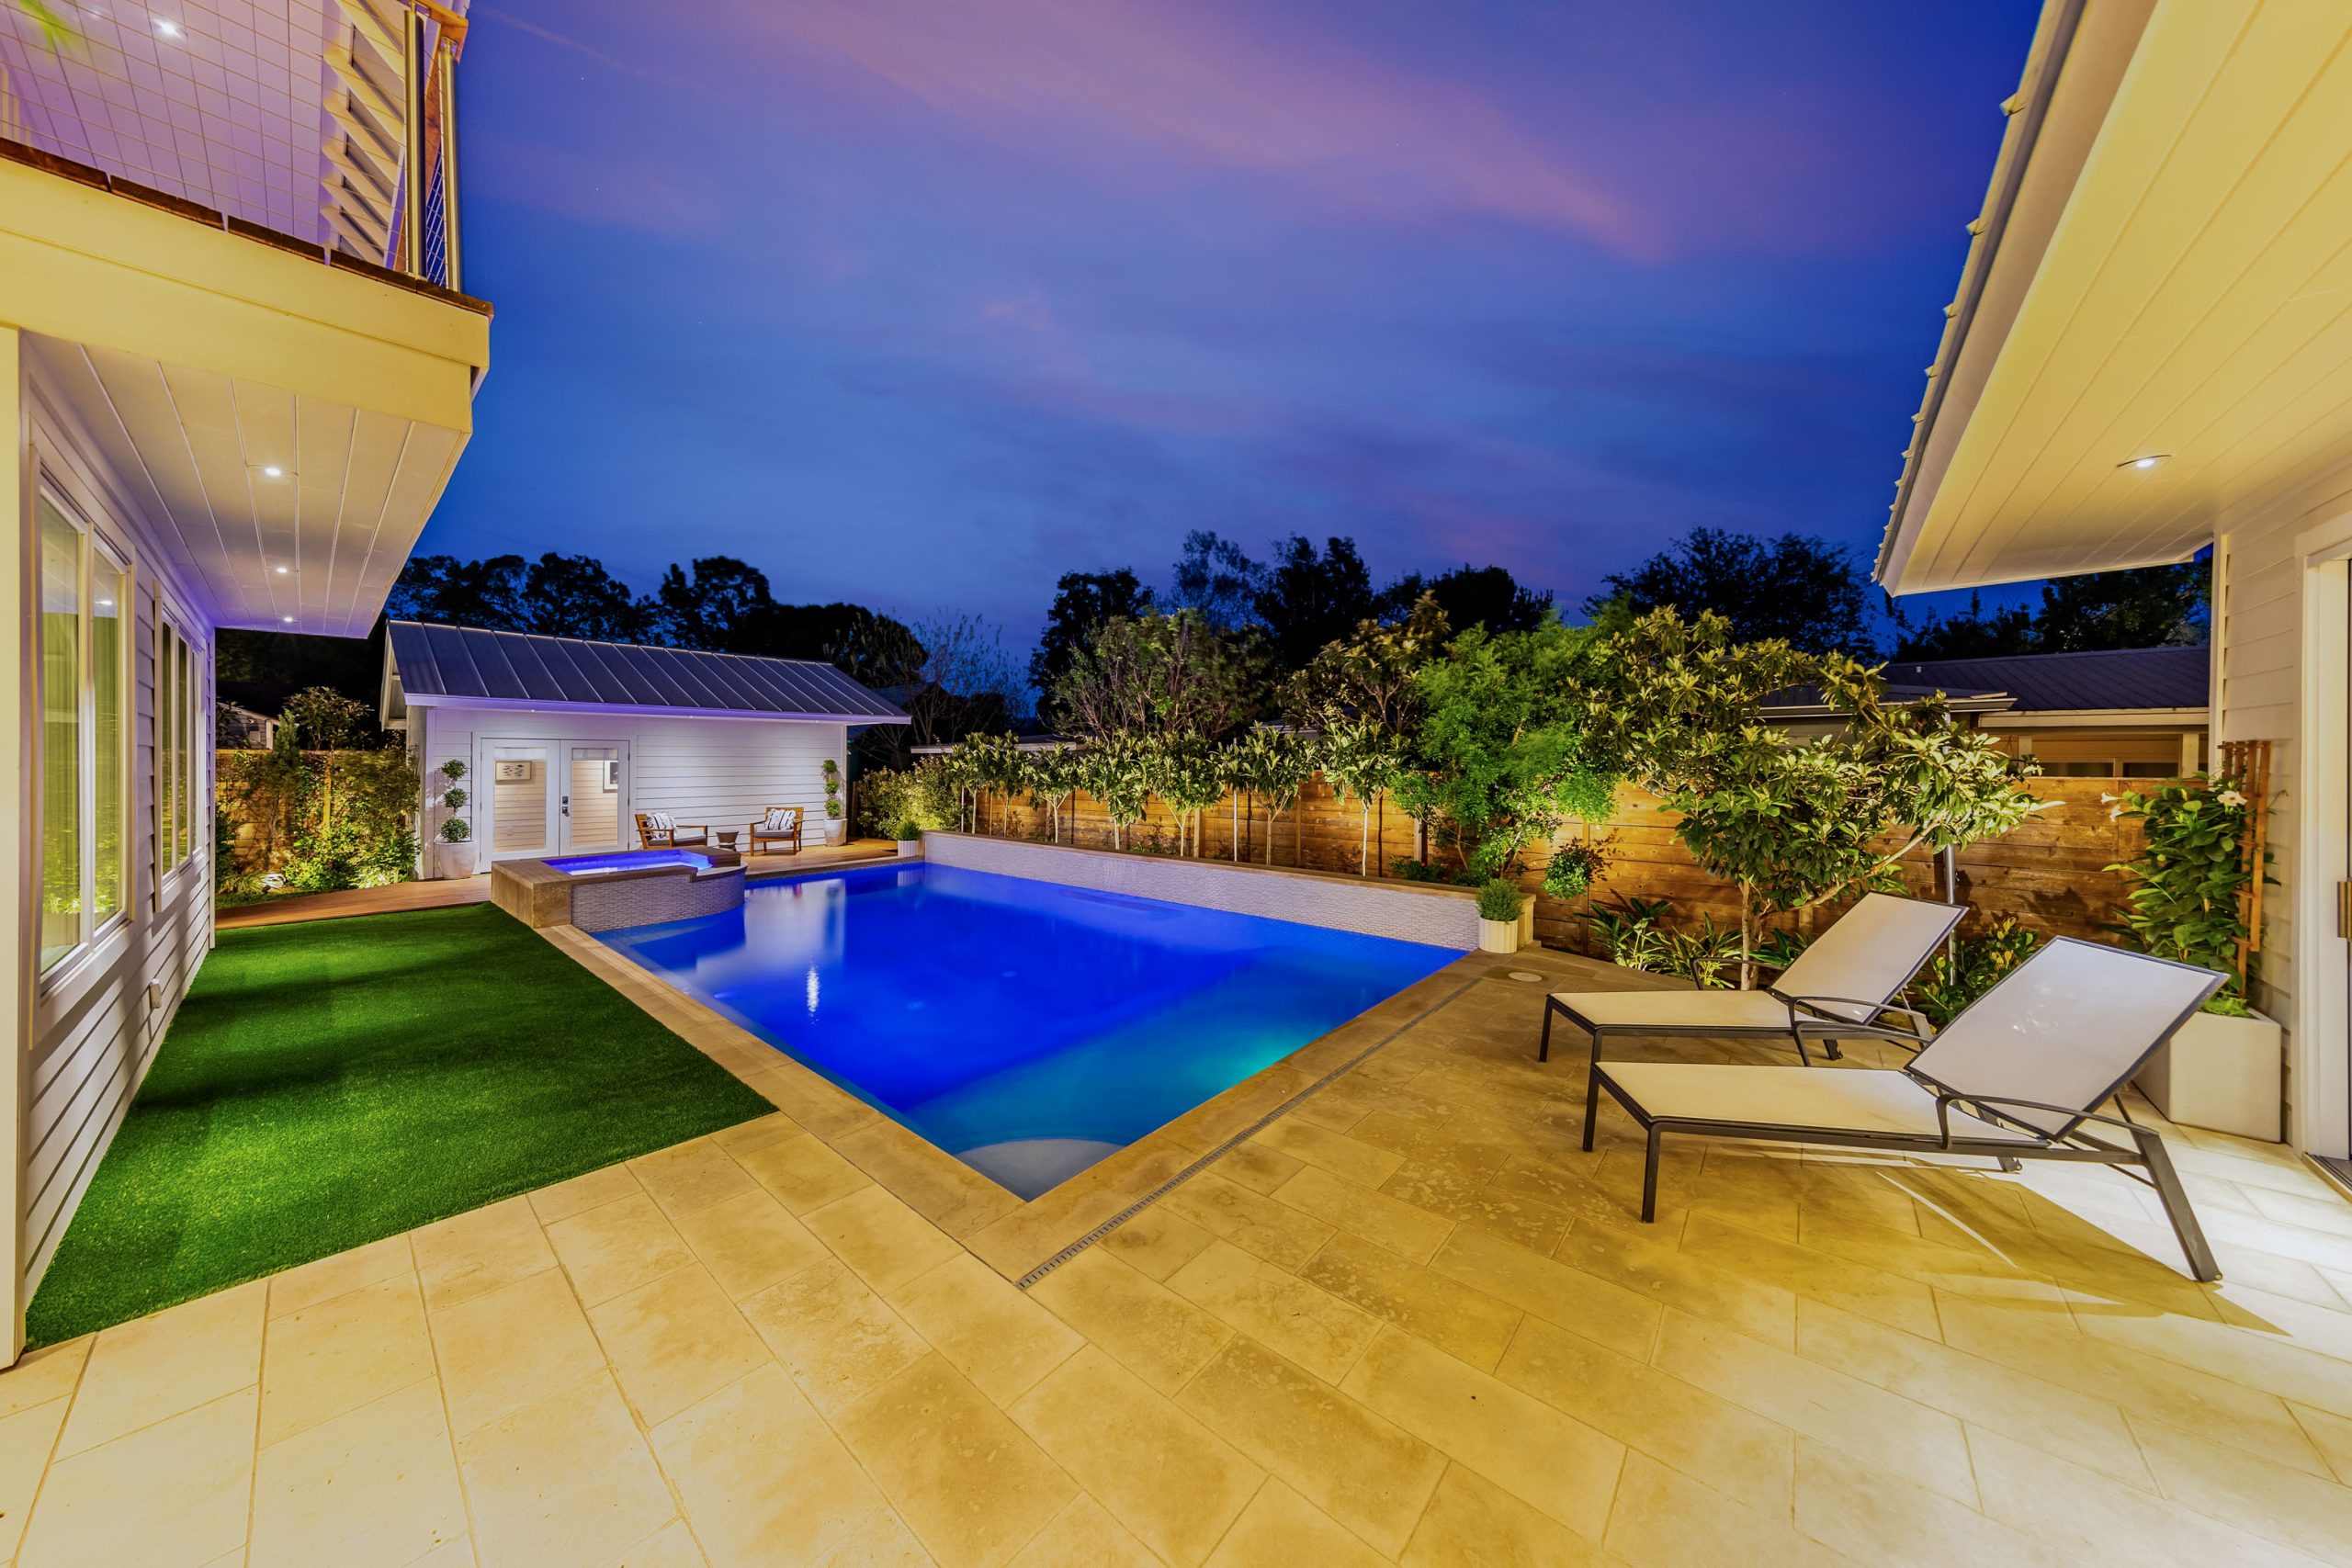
(553, 797)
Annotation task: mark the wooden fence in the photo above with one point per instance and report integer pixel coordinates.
(2051, 873)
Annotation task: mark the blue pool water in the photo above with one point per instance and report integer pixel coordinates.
(1026, 1028)
(627, 860)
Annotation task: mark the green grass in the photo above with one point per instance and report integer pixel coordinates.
(331, 1083)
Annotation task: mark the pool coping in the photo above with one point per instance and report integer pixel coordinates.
(1021, 1239)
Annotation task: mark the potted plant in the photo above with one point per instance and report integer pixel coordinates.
(835, 829)
(2225, 1068)
(909, 832)
(451, 854)
(1500, 902)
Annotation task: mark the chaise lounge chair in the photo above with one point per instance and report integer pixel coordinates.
(660, 830)
(2016, 1076)
(1844, 984)
(777, 825)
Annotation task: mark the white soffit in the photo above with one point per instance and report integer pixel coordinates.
(2195, 300)
(353, 491)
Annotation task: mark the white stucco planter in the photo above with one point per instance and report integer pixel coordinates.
(836, 833)
(1498, 936)
(445, 862)
(2222, 1074)
(910, 848)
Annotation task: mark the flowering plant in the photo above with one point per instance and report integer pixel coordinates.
(2188, 902)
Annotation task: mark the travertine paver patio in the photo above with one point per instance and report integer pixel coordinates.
(1408, 1322)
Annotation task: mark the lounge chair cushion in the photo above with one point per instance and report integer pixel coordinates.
(1697, 1011)
(780, 820)
(1827, 1100)
(661, 822)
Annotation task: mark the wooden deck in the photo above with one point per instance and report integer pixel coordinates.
(404, 896)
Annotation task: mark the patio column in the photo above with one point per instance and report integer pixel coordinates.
(17, 912)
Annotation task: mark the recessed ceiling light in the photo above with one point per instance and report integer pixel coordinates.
(284, 570)
(273, 471)
(288, 619)
(169, 29)
(2150, 461)
(106, 603)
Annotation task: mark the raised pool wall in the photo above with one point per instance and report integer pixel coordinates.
(541, 895)
(1442, 917)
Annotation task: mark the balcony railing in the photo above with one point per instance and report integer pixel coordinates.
(329, 122)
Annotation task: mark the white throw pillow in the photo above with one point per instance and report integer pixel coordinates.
(661, 822)
(781, 819)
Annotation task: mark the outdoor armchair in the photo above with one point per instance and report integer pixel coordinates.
(1843, 983)
(2020, 1074)
(660, 830)
(777, 825)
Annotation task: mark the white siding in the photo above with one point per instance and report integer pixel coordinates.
(722, 772)
(94, 1031)
(2259, 631)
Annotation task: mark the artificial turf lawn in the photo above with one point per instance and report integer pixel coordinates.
(328, 1084)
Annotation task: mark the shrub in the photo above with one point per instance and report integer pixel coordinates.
(456, 830)
(2188, 902)
(1499, 899)
(1573, 868)
(905, 828)
(1968, 968)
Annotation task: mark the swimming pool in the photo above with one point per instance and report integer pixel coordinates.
(1026, 1028)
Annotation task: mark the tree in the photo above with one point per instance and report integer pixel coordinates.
(1216, 577)
(1795, 826)
(1504, 748)
(720, 605)
(575, 596)
(2154, 606)
(964, 685)
(1274, 765)
(1188, 773)
(1370, 674)
(1051, 777)
(1978, 632)
(869, 648)
(1471, 596)
(1117, 771)
(1160, 676)
(487, 594)
(1365, 763)
(1805, 592)
(1082, 601)
(1307, 600)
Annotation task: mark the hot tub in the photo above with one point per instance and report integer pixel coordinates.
(607, 891)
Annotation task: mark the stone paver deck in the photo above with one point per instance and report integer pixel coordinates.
(1408, 1322)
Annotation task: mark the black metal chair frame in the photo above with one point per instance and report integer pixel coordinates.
(2067, 1143)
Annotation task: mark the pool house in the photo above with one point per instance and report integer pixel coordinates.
(566, 743)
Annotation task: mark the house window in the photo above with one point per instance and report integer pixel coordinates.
(177, 794)
(84, 756)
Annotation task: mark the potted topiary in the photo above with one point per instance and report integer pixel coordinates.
(1499, 905)
(451, 854)
(2225, 1068)
(836, 829)
(909, 832)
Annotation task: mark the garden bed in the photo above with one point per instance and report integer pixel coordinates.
(329, 1084)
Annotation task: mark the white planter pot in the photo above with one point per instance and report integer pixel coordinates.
(1498, 936)
(2222, 1074)
(836, 833)
(910, 848)
(443, 861)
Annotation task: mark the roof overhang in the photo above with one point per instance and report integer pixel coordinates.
(2160, 270)
(2101, 718)
(648, 710)
(197, 356)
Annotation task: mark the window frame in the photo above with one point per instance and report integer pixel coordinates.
(91, 545)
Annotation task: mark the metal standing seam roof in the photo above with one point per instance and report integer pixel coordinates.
(2063, 683)
(462, 662)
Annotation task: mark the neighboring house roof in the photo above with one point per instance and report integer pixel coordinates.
(2068, 682)
(436, 663)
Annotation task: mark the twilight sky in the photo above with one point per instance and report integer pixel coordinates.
(920, 303)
